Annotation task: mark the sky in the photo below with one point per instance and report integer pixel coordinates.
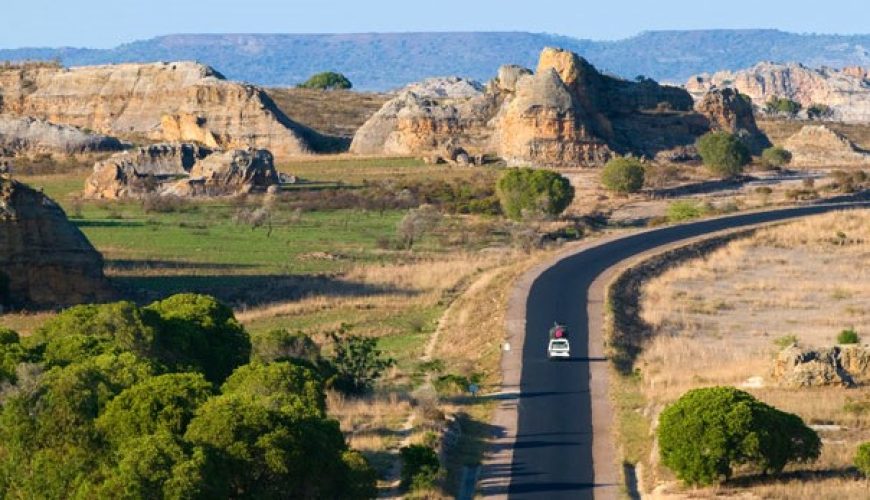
(107, 23)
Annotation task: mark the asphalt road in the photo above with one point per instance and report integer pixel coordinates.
(552, 454)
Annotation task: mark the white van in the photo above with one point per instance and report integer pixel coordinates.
(559, 348)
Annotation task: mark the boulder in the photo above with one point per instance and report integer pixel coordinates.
(508, 77)
(45, 261)
(729, 111)
(27, 135)
(819, 146)
(446, 87)
(845, 366)
(846, 91)
(183, 169)
(162, 101)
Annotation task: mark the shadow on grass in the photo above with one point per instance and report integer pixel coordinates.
(107, 223)
(153, 264)
(241, 291)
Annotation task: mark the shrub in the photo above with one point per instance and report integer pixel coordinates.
(708, 431)
(785, 341)
(848, 336)
(328, 80)
(357, 362)
(275, 345)
(623, 175)
(420, 466)
(862, 459)
(820, 112)
(723, 153)
(524, 191)
(775, 157)
(416, 223)
(782, 106)
(685, 210)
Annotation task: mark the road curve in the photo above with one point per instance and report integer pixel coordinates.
(552, 452)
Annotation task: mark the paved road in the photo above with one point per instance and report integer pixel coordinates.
(552, 454)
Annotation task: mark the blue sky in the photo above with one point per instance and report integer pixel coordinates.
(106, 23)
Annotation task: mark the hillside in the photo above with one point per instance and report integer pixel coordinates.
(383, 61)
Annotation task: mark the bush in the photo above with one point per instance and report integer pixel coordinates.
(723, 153)
(820, 112)
(848, 336)
(416, 223)
(707, 432)
(862, 459)
(775, 157)
(357, 362)
(782, 106)
(685, 210)
(524, 191)
(276, 345)
(328, 80)
(420, 466)
(623, 175)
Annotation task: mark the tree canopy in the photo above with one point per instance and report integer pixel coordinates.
(526, 192)
(723, 153)
(623, 175)
(707, 432)
(328, 80)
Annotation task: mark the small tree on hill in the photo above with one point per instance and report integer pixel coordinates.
(328, 80)
(623, 175)
(525, 190)
(708, 431)
(862, 459)
(775, 157)
(723, 153)
(357, 362)
(782, 106)
(820, 112)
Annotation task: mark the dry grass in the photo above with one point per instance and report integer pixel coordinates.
(331, 112)
(780, 130)
(717, 317)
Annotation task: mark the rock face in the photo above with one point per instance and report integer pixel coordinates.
(180, 101)
(30, 135)
(837, 366)
(846, 91)
(184, 169)
(45, 261)
(451, 87)
(566, 114)
(727, 110)
(819, 146)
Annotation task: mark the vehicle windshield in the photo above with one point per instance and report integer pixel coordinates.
(559, 344)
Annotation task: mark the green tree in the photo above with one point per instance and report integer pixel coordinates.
(87, 330)
(362, 478)
(420, 465)
(524, 191)
(357, 362)
(11, 354)
(862, 459)
(278, 345)
(198, 332)
(328, 80)
(261, 452)
(775, 157)
(708, 431)
(623, 175)
(820, 112)
(723, 153)
(782, 106)
(293, 389)
(165, 402)
(848, 336)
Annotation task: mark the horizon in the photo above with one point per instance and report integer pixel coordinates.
(101, 24)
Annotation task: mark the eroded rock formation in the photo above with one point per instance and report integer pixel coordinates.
(184, 169)
(179, 101)
(819, 146)
(45, 260)
(27, 135)
(566, 114)
(846, 91)
(836, 366)
(726, 109)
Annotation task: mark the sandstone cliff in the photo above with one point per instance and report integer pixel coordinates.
(819, 146)
(180, 101)
(45, 260)
(184, 169)
(29, 135)
(566, 114)
(726, 109)
(846, 91)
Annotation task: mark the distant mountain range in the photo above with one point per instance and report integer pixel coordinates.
(383, 61)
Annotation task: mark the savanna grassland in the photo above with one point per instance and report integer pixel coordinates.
(721, 319)
(330, 252)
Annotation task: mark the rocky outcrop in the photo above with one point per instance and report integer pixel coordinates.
(846, 91)
(179, 101)
(728, 110)
(446, 87)
(27, 135)
(184, 169)
(846, 366)
(566, 114)
(45, 261)
(819, 146)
